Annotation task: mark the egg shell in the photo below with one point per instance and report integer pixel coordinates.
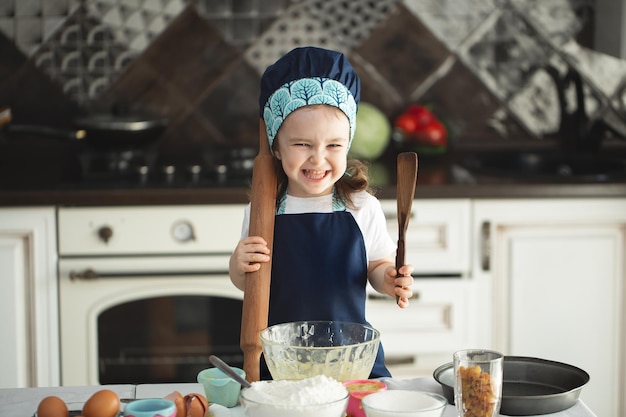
(178, 399)
(197, 405)
(52, 406)
(103, 403)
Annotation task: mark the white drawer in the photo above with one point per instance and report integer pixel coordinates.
(439, 320)
(438, 236)
(144, 230)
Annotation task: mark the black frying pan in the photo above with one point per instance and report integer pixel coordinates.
(531, 386)
(106, 131)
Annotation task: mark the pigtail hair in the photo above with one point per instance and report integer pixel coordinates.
(356, 179)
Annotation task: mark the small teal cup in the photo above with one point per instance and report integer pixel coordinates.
(150, 407)
(219, 388)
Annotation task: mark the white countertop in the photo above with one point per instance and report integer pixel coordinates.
(22, 402)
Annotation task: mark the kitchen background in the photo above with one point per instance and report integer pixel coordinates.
(479, 64)
(483, 67)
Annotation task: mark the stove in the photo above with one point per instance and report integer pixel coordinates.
(148, 168)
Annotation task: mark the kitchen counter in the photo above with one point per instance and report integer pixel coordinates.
(22, 402)
(230, 195)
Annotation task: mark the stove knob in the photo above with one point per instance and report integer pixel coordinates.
(222, 173)
(169, 171)
(142, 173)
(105, 233)
(194, 173)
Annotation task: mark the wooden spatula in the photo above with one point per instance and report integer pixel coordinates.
(257, 292)
(407, 178)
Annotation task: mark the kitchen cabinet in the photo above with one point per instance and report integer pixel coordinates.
(441, 315)
(550, 275)
(28, 301)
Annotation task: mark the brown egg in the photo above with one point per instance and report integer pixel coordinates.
(177, 398)
(197, 405)
(103, 403)
(52, 407)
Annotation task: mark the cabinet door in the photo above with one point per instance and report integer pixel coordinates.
(29, 352)
(557, 273)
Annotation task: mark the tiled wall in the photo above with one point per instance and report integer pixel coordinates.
(478, 63)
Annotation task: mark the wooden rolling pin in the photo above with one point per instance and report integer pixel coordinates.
(257, 292)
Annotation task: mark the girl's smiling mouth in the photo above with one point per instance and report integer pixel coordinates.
(314, 174)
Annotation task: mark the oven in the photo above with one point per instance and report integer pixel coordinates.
(144, 292)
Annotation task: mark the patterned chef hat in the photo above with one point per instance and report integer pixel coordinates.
(307, 76)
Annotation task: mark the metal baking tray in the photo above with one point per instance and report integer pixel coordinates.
(531, 385)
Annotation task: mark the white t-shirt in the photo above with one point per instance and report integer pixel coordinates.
(368, 214)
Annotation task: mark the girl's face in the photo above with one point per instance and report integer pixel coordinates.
(313, 149)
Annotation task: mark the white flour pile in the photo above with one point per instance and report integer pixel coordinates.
(279, 396)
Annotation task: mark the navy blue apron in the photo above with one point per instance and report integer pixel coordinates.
(305, 288)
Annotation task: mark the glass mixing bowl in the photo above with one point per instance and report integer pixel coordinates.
(340, 350)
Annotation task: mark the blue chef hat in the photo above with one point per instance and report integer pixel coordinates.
(307, 76)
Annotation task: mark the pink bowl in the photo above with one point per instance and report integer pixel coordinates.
(358, 389)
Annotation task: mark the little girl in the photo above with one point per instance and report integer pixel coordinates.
(330, 235)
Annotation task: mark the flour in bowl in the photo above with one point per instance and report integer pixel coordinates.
(318, 396)
(311, 391)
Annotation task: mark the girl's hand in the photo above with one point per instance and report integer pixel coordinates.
(249, 254)
(400, 286)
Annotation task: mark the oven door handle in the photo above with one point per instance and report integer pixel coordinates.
(90, 274)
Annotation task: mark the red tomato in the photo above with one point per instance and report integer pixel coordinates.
(434, 134)
(421, 114)
(406, 123)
